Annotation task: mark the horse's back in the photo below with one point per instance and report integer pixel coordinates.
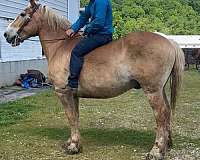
(135, 40)
(136, 49)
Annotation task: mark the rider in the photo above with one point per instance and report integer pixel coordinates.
(99, 32)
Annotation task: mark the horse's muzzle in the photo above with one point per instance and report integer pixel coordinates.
(14, 40)
(8, 38)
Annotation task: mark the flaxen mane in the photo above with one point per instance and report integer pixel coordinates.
(55, 21)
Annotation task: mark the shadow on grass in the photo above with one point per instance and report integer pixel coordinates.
(142, 139)
(100, 137)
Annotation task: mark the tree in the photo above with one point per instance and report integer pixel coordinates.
(167, 16)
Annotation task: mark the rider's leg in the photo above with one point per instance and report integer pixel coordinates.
(86, 45)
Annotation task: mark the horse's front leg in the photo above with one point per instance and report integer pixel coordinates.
(71, 107)
(162, 114)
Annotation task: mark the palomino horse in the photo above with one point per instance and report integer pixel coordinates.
(139, 60)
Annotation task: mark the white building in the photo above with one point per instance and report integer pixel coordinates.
(15, 61)
(185, 41)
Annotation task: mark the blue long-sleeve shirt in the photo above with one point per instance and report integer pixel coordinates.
(100, 14)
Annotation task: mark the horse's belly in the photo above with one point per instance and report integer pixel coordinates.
(106, 82)
(102, 92)
(108, 91)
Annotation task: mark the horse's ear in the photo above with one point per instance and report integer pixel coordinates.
(33, 2)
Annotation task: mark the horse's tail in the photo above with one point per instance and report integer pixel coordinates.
(176, 74)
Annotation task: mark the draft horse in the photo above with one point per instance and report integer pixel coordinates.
(139, 60)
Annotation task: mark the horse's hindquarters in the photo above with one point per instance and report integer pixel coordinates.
(151, 58)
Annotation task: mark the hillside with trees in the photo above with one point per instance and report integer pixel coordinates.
(166, 16)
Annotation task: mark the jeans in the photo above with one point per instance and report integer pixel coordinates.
(81, 49)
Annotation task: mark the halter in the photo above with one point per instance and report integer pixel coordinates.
(27, 20)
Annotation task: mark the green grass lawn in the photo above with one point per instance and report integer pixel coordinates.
(120, 128)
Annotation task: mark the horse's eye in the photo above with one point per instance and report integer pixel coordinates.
(22, 14)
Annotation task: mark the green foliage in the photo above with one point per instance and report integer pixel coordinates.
(84, 2)
(166, 16)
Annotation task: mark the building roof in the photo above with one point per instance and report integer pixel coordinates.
(185, 41)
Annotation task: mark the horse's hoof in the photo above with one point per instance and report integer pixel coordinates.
(155, 154)
(169, 145)
(150, 156)
(72, 148)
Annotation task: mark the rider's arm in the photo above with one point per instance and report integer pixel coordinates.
(99, 17)
(82, 20)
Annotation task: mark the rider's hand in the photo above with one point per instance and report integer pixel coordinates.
(70, 32)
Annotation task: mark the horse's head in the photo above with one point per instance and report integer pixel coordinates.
(25, 25)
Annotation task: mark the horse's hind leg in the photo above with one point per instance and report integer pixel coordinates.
(162, 114)
(170, 144)
(71, 107)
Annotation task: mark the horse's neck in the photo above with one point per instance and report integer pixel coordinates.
(48, 46)
(58, 52)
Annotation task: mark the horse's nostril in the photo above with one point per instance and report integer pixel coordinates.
(5, 35)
